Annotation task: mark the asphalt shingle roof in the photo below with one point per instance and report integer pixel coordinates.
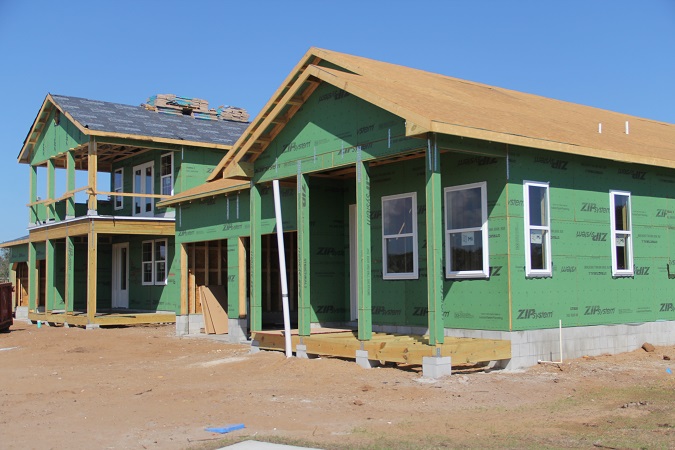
(136, 120)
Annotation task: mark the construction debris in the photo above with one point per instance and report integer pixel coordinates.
(195, 107)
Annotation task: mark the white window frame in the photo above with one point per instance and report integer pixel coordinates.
(415, 272)
(119, 188)
(628, 235)
(547, 271)
(162, 177)
(154, 262)
(485, 271)
(142, 190)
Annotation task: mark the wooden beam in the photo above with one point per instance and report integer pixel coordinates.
(255, 260)
(92, 269)
(92, 170)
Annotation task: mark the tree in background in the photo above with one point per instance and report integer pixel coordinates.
(4, 265)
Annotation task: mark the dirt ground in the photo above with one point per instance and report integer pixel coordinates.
(143, 387)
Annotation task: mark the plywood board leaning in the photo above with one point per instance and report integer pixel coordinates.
(208, 323)
(215, 299)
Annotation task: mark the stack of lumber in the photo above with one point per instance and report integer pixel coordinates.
(195, 107)
(232, 113)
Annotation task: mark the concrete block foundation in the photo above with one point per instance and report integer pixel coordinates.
(436, 366)
(363, 361)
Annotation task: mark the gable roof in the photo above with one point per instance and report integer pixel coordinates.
(98, 118)
(431, 102)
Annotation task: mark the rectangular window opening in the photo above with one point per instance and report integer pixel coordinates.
(399, 237)
(537, 229)
(166, 173)
(466, 231)
(622, 233)
(154, 262)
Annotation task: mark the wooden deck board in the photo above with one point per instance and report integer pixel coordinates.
(105, 319)
(389, 347)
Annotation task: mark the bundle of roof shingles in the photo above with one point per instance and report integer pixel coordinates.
(195, 107)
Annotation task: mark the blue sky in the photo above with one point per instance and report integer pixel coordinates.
(616, 55)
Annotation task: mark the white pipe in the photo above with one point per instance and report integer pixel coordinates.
(282, 269)
(561, 355)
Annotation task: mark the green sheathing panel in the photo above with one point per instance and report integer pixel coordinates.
(479, 303)
(227, 216)
(325, 232)
(56, 139)
(332, 129)
(18, 253)
(143, 297)
(232, 278)
(104, 272)
(582, 290)
(364, 283)
(213, 218)
(80, 278)
(127, 166)
(193, 165)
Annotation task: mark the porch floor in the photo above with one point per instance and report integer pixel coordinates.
(105, 318)
(386, 347)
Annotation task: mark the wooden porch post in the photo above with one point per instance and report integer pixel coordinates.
(92, 267)
(92, 205)
(70, 184)
(70, 275)
(304, 263)
(363, 279)
(33, 277)
(434, 225)
(183, 279)
(256, 260)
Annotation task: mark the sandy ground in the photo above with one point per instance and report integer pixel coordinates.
(143, 387)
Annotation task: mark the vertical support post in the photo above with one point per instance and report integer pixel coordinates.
(70, 184)
(255, 259)
(92, 160)
(434, 225)
(51, 183)
(70, 274)
(49, 282)
(33, 216)
(241, 265)
(232, 278)
(33, 277)
(363, 280)
(92, 268)
(304, 261)
(183, 279)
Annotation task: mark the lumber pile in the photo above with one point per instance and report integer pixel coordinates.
(195, 107)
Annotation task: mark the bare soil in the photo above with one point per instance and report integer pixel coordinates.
(143, 387)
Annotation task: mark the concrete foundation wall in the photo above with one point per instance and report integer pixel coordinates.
(189, 324)
(530, 346)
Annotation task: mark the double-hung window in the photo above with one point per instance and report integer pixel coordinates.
(622, 233)
(118, 180)
(154, 254)
(399, 237)
(166, 173)
(466, 231)
(537, 229)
